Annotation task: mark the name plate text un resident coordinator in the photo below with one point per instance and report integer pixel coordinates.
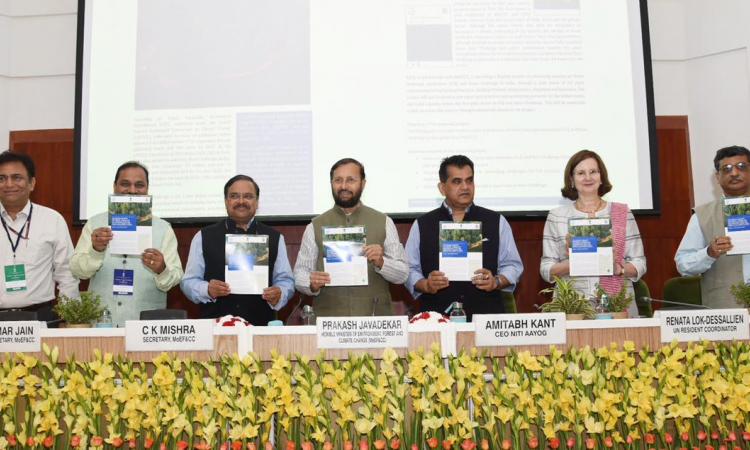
(20, 337)
(169, 335)
(504, 330)
(709, 324)
(363, 332)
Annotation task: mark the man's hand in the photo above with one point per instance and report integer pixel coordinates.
(374, 254)
(272, 295)
(318, 280)
(217, 288)
(719, 246)
(484, 280)
(560, 269)
(434, 282)
(100, 238)
(154, 260)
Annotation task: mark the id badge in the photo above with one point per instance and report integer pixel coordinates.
(123, 282)
(15, 278)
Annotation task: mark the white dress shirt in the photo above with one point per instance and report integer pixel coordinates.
(45, 254)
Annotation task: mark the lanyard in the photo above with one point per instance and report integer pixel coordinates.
(19, 233)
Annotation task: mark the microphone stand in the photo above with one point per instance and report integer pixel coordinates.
(651, 301)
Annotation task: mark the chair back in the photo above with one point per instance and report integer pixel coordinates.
(641, 290)
(684, 290)
(509, 302)
(17, 316)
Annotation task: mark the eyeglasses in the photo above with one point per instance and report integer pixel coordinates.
(727, 168)
(237, 196)
(15, 178)
(583, 173)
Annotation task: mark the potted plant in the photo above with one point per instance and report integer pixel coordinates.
(741, 293)
(565, 298)
(619, 303)
(80, 312)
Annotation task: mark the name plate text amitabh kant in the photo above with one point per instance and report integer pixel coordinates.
(492, 330)
(709, 324)
(363, 332)
(20, 337)
(169, 335)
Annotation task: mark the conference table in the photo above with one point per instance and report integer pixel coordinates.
(499, 380)
(80, 343)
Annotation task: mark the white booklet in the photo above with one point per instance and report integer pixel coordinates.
(130, 221)
(737, 224)
(344, 259)
(246, 263)
(590, 251)
(460, 249)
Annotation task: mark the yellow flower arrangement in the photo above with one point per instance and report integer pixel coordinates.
(696, 396)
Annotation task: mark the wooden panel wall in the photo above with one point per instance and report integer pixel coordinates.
(52, 151)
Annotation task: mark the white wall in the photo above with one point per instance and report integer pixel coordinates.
(700, 64)
(37, 65)
(701, 69)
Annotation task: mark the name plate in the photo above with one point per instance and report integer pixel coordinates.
(19, 337)
(710, 324)
(504, 330)
(363, 332)
(169, 335)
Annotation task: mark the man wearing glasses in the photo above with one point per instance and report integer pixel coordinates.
(704, 246)
(384, 254)
(35, 247)
(205, 281)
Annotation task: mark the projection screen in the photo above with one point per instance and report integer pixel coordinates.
(280, 89)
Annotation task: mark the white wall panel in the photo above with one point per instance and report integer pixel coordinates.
(41, 7)
(667, 28)
(4, 112)
(715, 26)
(39, 103)
(43, 45)
(719, 98)
(4, 70)
(37, 65)
(670, 88)
(5, 37)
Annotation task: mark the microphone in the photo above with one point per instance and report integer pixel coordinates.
(296, 314)
(651, 301)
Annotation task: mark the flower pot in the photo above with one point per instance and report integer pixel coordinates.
(574, 316)
(75, 325)
(620, 315)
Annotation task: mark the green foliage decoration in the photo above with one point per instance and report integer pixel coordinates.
(86, 309)
(566, 299)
